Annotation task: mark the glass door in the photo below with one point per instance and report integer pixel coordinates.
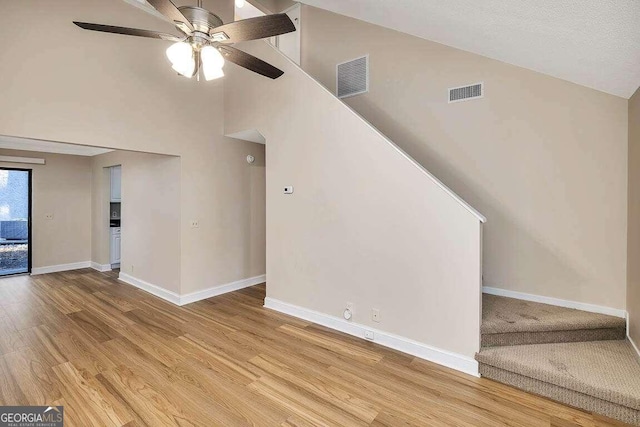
(15, 221)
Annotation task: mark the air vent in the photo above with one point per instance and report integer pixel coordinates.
(352, 77)
(466, 93)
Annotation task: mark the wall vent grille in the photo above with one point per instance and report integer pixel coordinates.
(466, 93)
(352, 77)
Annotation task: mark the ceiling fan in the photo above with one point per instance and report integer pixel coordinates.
(206, 42)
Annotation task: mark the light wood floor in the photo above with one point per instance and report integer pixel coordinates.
(114, 355)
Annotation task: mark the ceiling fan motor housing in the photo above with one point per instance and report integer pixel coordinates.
(202, 20)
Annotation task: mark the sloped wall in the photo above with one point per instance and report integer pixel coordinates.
(544, 159)
(365, 224)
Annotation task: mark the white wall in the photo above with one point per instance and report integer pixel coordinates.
(544, 159)
(62, 187)
(365, 224)
(150, 212)
(119, 92)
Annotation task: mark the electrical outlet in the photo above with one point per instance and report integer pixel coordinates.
(368, 335)
(131, 268)
(348, 312)
(375, 314)
(195, 223)
(48, 216)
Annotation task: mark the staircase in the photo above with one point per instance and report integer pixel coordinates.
(578, 358)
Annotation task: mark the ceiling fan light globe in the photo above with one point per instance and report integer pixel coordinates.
(211, 57)
(239, 3)
(180, 54)
(187, 69)
(212, 73)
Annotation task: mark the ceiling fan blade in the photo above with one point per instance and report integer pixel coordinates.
(127, 31)
(255, 28)
(168, 9)
(250, 62)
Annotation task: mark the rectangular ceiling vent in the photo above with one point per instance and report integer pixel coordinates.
(466, 93)
(352, 77)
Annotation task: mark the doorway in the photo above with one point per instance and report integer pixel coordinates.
(15, 221)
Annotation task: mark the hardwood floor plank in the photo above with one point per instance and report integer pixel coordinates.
(149, 403)
(35, 380)
(217, 360)
(116, 355)
(304, 404)
(322, 390)
(115, 301)
(93, 326)
(88, 396)
(333, 344)
(155, 321)
(10, 392)
(232, 396)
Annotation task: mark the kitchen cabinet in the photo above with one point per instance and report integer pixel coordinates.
(116, 183)
(115, 245)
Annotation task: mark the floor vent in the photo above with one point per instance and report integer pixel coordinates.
(352, 77)
(466, 93)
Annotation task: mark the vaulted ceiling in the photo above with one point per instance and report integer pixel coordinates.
(594, 43)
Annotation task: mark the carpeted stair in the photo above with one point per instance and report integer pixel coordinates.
(508, 321)
(578, 358)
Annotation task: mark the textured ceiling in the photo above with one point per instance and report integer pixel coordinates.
(595, 43)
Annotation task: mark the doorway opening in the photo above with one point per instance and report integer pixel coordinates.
(15, 221)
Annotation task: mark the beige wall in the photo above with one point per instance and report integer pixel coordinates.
(62, 186)
(150, 249)
(365, 224)
(120, 92)
(633, 256)
(545, 160)
(272, 6)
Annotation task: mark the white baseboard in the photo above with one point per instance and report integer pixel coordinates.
(60, 267)
(555, 301)
(633, 344)
(166, 295)
(100, 267)
(442, 357)
(222, 289)
(178, 299)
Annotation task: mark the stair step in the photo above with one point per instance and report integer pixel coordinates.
(509, 321)
(599, 376)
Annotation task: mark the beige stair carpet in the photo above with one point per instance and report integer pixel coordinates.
(600, 376)
(508, 321)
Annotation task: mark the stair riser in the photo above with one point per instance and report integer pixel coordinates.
(561, 394)
(522, 338)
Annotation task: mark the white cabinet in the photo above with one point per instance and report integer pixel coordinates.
(116, 182)
(115, 245)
